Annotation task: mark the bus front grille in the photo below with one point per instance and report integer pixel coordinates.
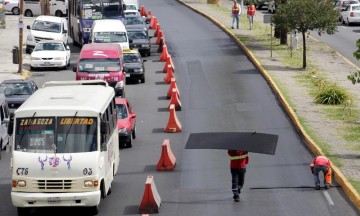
(54, 184)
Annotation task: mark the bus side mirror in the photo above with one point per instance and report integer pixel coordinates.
(103, 147)
(74, 68)
(10, 128)
(104, 128)
(65, 31)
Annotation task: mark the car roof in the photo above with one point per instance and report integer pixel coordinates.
(109, 49)
(16, 81)
(50, 18)
(108, 24)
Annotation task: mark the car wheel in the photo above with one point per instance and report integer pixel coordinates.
(149, 53)
(94, 210)
(15, 11)
(32, 68)
(23, 211)
(28, 13)
(133, 133)
(129, 144)
(59, 13)
(142, 80)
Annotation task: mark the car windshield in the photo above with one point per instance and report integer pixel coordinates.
(132, 57)
(10, 89)
(130, 7)
(110, 37)
(129, 13)
(40, 25)
(137, 35)
(49, 47)
(134, 20)
(71, 135)
(121, 111)
(99, 65)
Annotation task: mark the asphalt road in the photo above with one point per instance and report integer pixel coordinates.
(221, 91)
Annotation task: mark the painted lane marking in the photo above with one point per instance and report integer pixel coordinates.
(327, 196)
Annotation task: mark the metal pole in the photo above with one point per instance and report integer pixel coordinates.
(271, 39)
(21, 26)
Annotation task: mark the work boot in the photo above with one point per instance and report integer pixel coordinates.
(236, 198)
(327, 186)
(317, 187)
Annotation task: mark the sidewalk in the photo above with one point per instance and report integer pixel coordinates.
(292, 81)
(9, 39)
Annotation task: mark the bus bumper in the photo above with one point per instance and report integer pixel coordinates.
(20, 199)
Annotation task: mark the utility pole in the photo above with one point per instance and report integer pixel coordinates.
(21, 27)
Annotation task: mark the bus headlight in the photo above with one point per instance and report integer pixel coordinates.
(91, 183)
(19, 183)
(120, 84)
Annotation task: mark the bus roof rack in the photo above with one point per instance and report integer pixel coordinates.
(81, 82)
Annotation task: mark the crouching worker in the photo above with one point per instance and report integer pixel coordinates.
(238, 162)
(321, 164)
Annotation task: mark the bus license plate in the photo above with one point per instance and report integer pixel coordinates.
(53, 199)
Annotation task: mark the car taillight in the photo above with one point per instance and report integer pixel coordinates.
(5, 3)
(352, 14)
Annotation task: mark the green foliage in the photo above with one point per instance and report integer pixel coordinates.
(332, 95)
(354, 77)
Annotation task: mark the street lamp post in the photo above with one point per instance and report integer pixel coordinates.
(21, 27)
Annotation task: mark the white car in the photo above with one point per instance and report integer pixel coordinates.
(351, 14)
(130, 7)
(50, 54)
(11, 6)
(46, 28)
(132, 12)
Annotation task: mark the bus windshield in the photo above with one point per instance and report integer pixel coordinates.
(101, 9)
(99, 65)
(60, 135)
(109, 37)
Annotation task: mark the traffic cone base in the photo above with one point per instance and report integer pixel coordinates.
(173, 125)
(167, 159)
(172, 85)
(151, 199)
(169, 75)
(175, 100)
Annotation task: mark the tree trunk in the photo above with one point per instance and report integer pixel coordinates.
(283, 37)
(304, 49)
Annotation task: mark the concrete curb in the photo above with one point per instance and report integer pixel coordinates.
(339, 177)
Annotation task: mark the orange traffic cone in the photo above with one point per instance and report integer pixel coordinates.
(151, 199)
(172, 86)
(173, 125)
(175, 100)
(167, 159)
(153, 26)
(152, 20)
(157, 30)
(169, 75)
(160, 34)
(164, 54)
(149, 16)
(160, 47)
(168, 62)
(143, 11)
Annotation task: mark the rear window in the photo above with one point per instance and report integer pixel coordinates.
(356, 8)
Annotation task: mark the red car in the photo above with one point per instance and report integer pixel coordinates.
(126, 122)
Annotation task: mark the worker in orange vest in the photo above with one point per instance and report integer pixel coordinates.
(235, 12)
(321, 164)
(251, 14)
(238, 162)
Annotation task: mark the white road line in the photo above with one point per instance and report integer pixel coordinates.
(327, 196)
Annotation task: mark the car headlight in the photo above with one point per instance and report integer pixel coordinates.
(138, 70)
(35, 58)
(145, 45)
(120, 84)
(19, 183)
(91, 183)
(30, 37)
(59, 58)
(123, 130)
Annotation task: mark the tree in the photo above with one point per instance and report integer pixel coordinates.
(307, 15)
(355, 77)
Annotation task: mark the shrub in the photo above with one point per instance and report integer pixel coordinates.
(332, 95)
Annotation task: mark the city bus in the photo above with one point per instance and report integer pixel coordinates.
(82, 13)
(65, 146)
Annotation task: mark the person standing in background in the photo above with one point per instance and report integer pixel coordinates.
(251, 13)
(235, 12)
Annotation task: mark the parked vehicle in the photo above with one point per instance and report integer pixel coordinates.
(342, 4)
(132, 12)
(4, 121)
(57, 8)
(46, 28)
(351, 14)
(133, 2)
(50, 54)
(140, 40)
(126, 123)
(102, 61)
(272, 6)
(109, 31)
(134, 65)
(12, 6)
(131, 7)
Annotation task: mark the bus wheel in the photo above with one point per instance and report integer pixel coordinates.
(94, 210)
(103, 190)
(28, 13)
(59, 13)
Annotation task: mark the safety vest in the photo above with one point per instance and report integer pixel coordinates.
(239, 157)
(235, 9)
(251, 10)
